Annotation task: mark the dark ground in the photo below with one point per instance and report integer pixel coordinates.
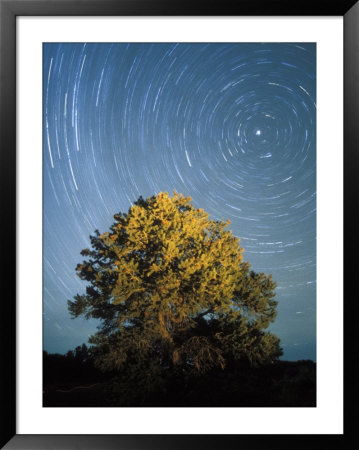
(71, 381)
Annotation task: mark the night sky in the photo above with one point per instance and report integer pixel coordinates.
(231, 125)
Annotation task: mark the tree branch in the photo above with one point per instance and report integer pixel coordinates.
(205, 313)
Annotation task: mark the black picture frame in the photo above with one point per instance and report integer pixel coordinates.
(9, 10)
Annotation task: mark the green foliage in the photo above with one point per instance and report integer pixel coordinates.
(174, 295)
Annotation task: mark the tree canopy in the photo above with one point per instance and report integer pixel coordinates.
(174, 295)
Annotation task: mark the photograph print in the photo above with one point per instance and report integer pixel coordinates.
(179, 224)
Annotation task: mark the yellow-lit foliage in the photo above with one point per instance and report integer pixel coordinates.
(171, 287)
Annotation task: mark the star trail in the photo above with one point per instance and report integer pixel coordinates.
(231, 125)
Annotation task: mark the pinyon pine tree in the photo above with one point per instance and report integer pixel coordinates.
(174, 296)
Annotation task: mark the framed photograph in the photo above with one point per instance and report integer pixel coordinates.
(174, 173)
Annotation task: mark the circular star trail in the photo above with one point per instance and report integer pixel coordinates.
(231, 125)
